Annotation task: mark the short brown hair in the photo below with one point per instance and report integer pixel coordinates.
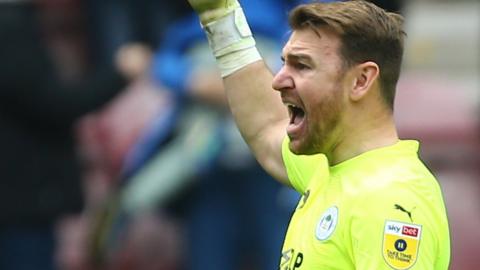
(367, 32)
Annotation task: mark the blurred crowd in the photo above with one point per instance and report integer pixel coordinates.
(117, 147)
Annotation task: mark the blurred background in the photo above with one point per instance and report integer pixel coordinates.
(118, 151)
(438, 102)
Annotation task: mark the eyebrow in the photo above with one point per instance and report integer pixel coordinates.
(297, 57)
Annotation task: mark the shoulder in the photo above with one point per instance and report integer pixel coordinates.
(399, 218)
(404, 197)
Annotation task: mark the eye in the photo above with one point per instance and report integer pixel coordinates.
(301, 66)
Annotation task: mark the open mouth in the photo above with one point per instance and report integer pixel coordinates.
(296, 114)
(296, 126)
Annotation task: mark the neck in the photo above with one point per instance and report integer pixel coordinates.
(376, 132)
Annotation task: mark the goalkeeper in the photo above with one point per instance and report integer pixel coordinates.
(328, 131)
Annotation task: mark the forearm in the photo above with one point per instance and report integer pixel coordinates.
(259, 114)
(258, 110)
(253, 103)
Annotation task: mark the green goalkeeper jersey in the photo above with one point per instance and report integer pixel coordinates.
(380, 210)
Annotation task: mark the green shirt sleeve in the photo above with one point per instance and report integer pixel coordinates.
(302, 168)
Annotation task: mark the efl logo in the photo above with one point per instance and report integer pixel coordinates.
(410, 231)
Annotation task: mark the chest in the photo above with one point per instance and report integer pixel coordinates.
(317, 235)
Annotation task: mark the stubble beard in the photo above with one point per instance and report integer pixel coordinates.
(324, 134)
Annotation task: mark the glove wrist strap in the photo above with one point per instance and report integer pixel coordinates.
(232, 42)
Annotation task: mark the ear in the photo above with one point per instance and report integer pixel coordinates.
(366, 75)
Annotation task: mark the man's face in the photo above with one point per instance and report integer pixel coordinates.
(312, 85)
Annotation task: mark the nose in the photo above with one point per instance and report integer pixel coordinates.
(282, 80)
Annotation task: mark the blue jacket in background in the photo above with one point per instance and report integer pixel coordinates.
(170, 68)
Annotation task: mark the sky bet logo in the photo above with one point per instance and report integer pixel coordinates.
(400, 244)
(410, 231)
(403, 229)
(393, 228)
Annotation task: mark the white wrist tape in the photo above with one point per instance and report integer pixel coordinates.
(232, 62)
(232, 42)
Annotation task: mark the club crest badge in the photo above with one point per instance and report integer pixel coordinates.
(400, 244)
(327, 223)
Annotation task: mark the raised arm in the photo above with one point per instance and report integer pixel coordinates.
(257, 108)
